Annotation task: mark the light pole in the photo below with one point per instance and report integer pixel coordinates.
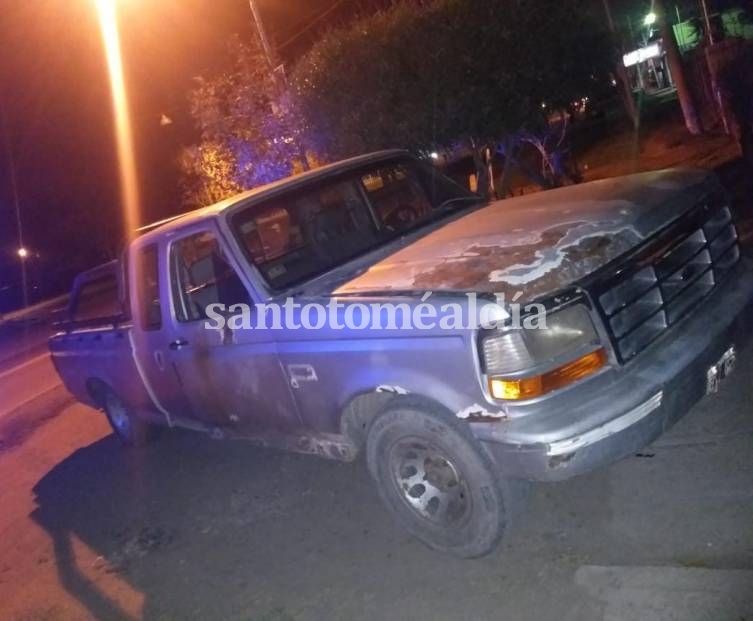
(23, 255)
(269, 52)
(129, 186)
(620, 73)
(674, 61)
(22, 252)
(707, 22)
(277, 70)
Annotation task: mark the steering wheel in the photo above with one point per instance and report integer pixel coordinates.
(400, 217)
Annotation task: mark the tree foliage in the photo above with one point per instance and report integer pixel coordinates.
(423, 75)
(248, 132)
(448, 72)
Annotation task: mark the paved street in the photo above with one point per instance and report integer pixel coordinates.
(26, 380)
(191, 528)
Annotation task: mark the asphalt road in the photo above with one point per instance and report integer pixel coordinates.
(25, 381)
(26, 371)
(191, 528)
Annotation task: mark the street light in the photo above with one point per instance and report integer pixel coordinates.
(650, 19)
(22, 252)
(129, 188)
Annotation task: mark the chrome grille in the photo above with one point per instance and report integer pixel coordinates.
(641, 306)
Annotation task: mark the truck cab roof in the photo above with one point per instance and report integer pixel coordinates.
(270, 189)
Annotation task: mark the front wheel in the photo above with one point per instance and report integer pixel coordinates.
(130, 430)
(436, 480)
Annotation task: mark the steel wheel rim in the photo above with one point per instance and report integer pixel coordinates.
(118, 415)
(429, 483)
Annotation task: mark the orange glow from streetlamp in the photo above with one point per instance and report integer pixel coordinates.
(129, 188)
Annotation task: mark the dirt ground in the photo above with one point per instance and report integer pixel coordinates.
(661, 142)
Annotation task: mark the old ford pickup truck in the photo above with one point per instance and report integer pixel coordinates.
(644, 285)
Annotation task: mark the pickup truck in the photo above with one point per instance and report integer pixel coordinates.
(641, 281)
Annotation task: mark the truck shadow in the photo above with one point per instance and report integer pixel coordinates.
(190, 523)
(205, 529)
(222, 530)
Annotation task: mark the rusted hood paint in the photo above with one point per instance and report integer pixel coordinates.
(539, 243)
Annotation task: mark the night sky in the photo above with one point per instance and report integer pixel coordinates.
(54, 90)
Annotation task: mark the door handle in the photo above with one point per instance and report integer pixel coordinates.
(178, 344)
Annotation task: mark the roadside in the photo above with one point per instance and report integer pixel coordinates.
(662, 142)
(37, 311)
(31, 392)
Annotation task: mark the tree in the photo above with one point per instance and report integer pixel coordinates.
(448, 73)
(248, 130)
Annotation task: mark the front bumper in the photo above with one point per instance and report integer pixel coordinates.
(617, 413)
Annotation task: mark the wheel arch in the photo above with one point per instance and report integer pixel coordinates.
(97, 389)
(361, 411)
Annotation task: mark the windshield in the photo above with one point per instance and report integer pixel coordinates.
(300, 235)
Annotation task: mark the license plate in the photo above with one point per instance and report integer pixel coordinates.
(720, 370)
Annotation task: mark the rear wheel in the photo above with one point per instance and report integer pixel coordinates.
(436, 479)
(130, 430)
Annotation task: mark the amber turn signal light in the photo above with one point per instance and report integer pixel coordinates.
(538, 385)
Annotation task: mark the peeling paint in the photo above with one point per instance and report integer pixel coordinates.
(538, 243)
(479, 411)
(398, 390)
(551, 258)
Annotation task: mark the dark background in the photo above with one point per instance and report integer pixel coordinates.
(54, 92)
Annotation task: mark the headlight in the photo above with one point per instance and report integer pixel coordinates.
(527, 363)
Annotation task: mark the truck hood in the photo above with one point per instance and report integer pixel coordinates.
(538, 243)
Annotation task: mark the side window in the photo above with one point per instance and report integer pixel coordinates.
(200, 275)
(147, 277)
(398, 199)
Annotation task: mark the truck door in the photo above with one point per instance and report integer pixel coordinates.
(149, 287)
(233, 378)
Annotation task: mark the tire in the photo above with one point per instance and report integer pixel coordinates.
(129, 428)
(435, 478)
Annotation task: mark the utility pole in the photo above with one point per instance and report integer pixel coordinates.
(707, 22)
(620, 73)
(692, 120)
(268, 50)
(21, 252)
(278, 75)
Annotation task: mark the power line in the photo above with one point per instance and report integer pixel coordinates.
(311, 24)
